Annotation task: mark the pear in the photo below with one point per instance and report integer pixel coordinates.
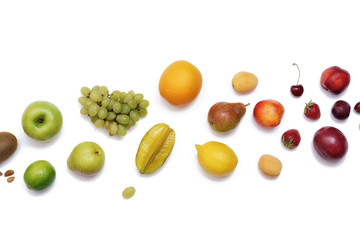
(225, 116)
(87, 158)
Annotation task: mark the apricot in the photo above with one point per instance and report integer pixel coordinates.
(244, 82)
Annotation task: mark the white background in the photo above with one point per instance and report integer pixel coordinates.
(50, 49)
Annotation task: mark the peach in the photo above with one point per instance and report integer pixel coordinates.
(268, 113)
(335, 79)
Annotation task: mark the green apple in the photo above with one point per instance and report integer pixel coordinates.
(42, 120)
(87, 158)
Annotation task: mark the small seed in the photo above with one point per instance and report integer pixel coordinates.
(1, 173)
(8, 173)
(10, 179)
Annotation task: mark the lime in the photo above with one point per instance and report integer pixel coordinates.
(39, 175)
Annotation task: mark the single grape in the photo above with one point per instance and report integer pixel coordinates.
(103, 90)
(95, 96)
(122, 119)
(102, 113)
(88, 103)
(134, 115)
(131, 92)
(113, 128)
(128, 97)
(116, 95)
(125, 109)
(84, 111)
(95, 88)
(99, 123)
(110, 106)
(82, 100)
(105, 101)
(123, 94)
(116, 107)
(85, 91)
(132, 104)
(131, 123)
(128, 192)
(121, 130)
(111, 116)
(144, 103)
(93, 109)
(93, 119)
(143, 112)
(138, 98)
(107, 124)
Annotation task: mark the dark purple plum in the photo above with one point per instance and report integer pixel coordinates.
(341, 110)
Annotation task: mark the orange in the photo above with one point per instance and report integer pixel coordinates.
(180, 83)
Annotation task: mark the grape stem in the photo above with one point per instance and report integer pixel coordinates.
(299, 73)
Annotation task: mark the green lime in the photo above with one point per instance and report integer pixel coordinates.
(39, 175)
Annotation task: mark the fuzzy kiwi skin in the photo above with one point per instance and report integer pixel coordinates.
(8, 145)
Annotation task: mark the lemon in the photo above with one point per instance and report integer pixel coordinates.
(39, 175)
(216, 158)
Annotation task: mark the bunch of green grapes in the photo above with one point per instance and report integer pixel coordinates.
(116, 111)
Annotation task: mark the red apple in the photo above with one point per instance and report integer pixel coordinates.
(335, 80)
(268, 113)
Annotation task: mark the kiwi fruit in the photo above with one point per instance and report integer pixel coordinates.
(8, 145)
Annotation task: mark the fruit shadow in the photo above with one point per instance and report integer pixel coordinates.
(222, 134)
(40, 144)
(85, 178)
(309, 120)
(214, 178)
(328, 163)
(262, 129)
(267, 177)
(338, 121)
(42, 192)
(333, 95)
(153, 174)
(173, 108)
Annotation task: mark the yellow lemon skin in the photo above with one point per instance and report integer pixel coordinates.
(244, 82)
(216, 158)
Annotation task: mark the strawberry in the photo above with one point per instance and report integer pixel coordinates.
(312, 110)
(291, 138)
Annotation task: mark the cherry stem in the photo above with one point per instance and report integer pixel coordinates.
(299, 73)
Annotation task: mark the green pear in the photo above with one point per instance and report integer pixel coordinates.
(87, 158)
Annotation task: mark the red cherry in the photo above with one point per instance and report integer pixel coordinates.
(297, 90)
